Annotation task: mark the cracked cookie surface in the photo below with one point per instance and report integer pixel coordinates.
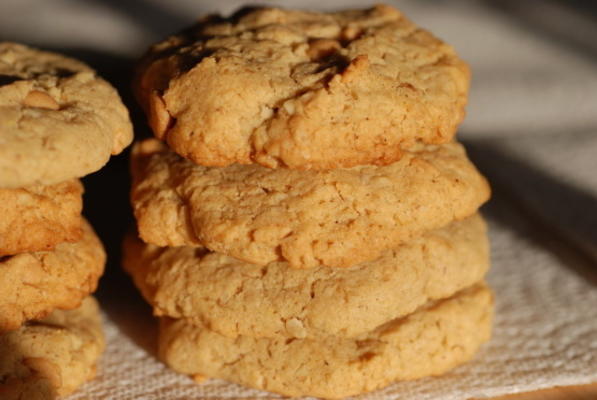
(430, 341)
(234, 298)
(336, 218)
(302, 89)
(36, 218)
(51, 357)
(34, 284)
(58, 119)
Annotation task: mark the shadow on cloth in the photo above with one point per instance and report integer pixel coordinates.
(563, 216)
(107, 207)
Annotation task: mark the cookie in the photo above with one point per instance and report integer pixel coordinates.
(430, 341)
(36, 218)
(58, 119)
(34, 284)
(53, 356)
(302, 89)
(335, 217)
(234, 298)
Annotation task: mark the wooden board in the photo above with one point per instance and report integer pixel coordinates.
(585, 392)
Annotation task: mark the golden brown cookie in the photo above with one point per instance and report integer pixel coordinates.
(335, 217)
(34, 284)
(36, 218)
(58, 119)
(302, 89)
(53, 356)
(234, 298)
(430, 341)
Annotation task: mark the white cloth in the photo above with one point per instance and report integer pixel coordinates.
(531, 127)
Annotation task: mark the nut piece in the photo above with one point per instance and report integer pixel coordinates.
(38, 99)
(350, 33)
(321, 48)
(295, 327)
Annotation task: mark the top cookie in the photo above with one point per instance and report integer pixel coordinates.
(301, 89)
(58, 119)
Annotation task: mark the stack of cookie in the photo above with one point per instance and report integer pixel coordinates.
(58, 121)
(312, 228)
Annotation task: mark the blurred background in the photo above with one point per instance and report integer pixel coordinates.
(531, 123)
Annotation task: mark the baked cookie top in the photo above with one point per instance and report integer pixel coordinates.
(38, 217)
(51, 357)
(34, 284)
(302, 89)
(234, 298)
(336, 218)
(58, 119)
(432, 340)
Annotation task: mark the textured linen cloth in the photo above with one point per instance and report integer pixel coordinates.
(531, 128)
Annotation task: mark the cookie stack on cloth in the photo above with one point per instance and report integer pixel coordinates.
(58, 122)
(311, 229)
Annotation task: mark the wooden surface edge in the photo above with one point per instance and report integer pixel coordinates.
(580, 392)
